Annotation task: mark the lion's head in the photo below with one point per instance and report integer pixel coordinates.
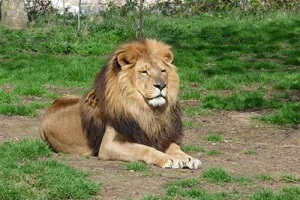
(144, 73)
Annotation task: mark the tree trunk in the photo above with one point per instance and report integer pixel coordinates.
(139, 31)
(79, 13)
(14, 14)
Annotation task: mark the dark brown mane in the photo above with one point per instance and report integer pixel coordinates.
(93, 123)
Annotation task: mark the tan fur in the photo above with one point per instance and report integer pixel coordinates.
(132, 111)
(61, 126)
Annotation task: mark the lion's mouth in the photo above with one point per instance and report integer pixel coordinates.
(160, 95)
(159, 100)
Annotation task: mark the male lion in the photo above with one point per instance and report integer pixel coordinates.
(131, 113)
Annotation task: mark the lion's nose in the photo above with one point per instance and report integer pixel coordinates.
(160, 85)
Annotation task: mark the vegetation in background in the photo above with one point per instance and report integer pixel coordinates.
(225, 62)
(27, 172)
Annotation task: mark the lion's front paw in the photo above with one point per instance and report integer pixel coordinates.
(174, 163)
(179, 162)
(192, 163)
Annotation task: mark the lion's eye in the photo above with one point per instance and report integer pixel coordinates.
(144, 72)
(163, 71)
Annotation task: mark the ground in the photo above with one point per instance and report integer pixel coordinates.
(250, 148)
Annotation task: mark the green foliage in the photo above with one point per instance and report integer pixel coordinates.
(264, 177)
(151, 197)
(6, 97)
(226, 61)
(237, 7)
(290, 193)
(288, 114)
(136, 166)
(185, 188)
(194, 188)
(187, 124)
(216, 175)
(193, 111)
(213, 152)
(214, 137)
(240, 101)
(290, 178)
(241, 180)
(185, 183)
(193, 148)
(27, 173)
(25, 149)
(21, 109)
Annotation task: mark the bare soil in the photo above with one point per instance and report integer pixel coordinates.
(275, 151)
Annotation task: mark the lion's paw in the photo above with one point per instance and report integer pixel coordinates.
(192, 163)
(174, 163)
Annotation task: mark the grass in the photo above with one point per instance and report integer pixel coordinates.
(201, 149)
(214, 137)
(216, 175)
(241, 101)
(264, 177)
(27, 172)
(192, 148)
(213, 152)
(217, 184)
(288, 114)
(224, 63)
(250, 152)
(136, 166)
(290, 178)
(291, 193)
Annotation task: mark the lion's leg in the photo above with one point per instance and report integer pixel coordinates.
(111, 149)
(189, 162)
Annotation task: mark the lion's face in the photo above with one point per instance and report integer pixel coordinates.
(147, 73)
(151, 81)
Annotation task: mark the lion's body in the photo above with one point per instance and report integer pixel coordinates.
(62, 127)
(131, 113)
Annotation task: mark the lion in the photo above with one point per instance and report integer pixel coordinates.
(131, 113)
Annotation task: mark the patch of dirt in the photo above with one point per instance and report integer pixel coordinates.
(17, 128)
(275, 151)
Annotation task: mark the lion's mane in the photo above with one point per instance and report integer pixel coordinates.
(112, 101)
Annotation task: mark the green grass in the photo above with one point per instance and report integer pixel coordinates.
(193, 111)
(213, 152)
(22, 109)
(290, 178)
(291, 193)
(136, 166)
(27, 172)
(217, 184)
(264, 177)
(240, 101)
(187, 124)
(288, 114)
(192, 148)
(214, 137)
(224, 63)
(250, 152)
(216, 175)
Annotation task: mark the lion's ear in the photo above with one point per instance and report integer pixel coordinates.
(168, 56)
(126, 59)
